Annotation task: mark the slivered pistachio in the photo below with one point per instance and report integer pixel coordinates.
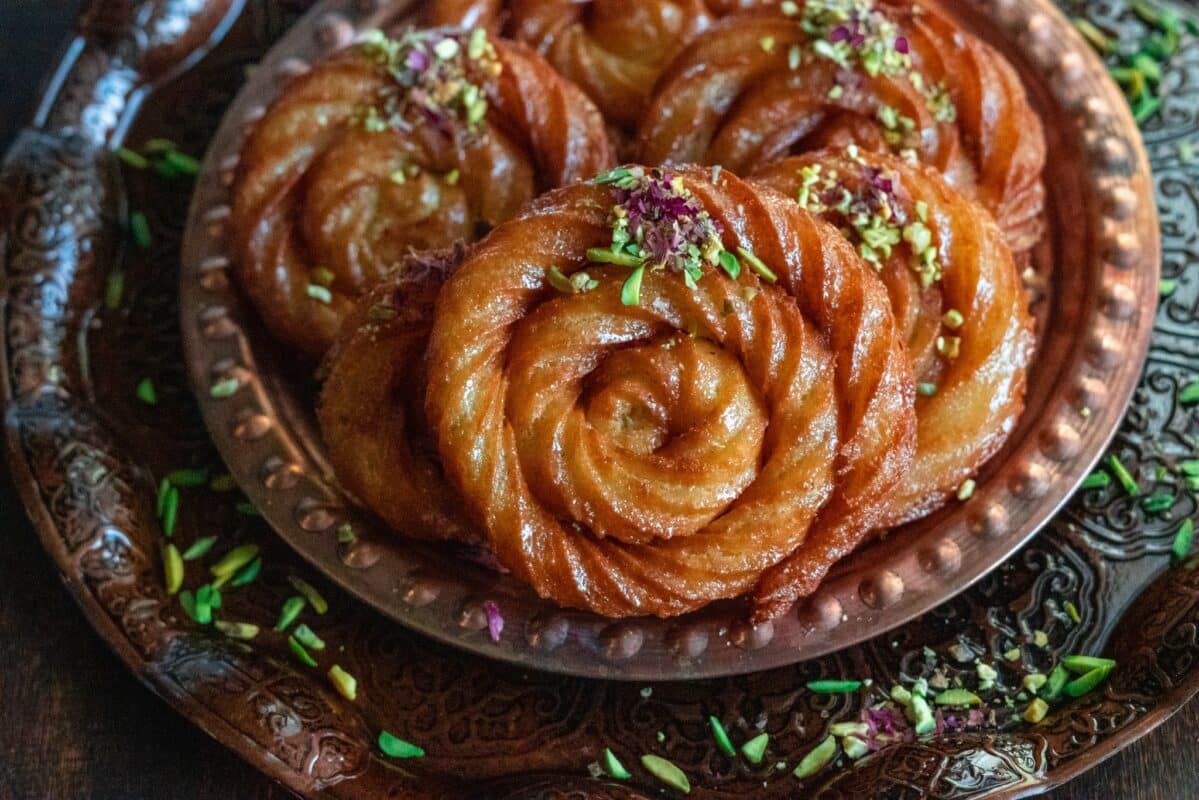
(172, 566)
(754, 750)
(146, 392)
(1183, 540)
(247, 573)
(347, 686)
(666, 772)
(816, 759)
(757, 265)
(236, 630)
(1124, 476)
(721, 736)
(300, 652)
(314, 598)
(305, 636)
(613, 767)
(395, 747)
(292, 607)
(234, 560)
(199, 548)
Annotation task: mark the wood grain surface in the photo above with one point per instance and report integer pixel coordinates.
(74, 723)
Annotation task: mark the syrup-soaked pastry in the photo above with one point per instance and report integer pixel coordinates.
(960, 304)
(614, 49)
(888, 75)
(371, 409)
(392, 146)
(651, 388)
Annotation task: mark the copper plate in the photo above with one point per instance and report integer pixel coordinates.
(1094, 289)
(84, 452)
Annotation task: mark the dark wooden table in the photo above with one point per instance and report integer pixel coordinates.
(74, 723)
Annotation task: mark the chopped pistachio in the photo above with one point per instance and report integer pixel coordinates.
(234, 560)
(756, 265)
(1036, 711)
(236, 630)
(170, 511)
(958, 697)
(834, 686)
(816, 759)
(1166, 287)
(1189, 394)
(320, 293)
(754, 750)
(1088, 682)
(139, 228)
(226, 387)
(613, 767)
(300, 652)
(953, 319)
(305, 636)
(966, 490)
(1081, 664)
(396, 747)
(1157, 502)
(926, 389)
(199, 548)
(721, 736)
(630, 292)
(1183, 540)
(949, 346)
(345, 683)
(247, 573)
(146, 392)
(854, 747)
(292, 607)
(666, 772)
(1072, 612)
(1058, 679)
(314, 598)
(1034, 681)
(1097, 480)
(1040, 638)
(172, 565)
(843, 729)
(1124, 476)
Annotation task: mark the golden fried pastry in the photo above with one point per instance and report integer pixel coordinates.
(371, 409)
(889, 75)
(652, 388)
(956, 293)
(613, 49)
(392, 146)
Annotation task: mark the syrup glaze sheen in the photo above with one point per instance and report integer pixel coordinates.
(650, 457)
(389, 147)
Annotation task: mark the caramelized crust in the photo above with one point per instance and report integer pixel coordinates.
(651, 458)
(321, 191)
(754, 90)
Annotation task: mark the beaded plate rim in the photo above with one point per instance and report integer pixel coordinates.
(277, 461)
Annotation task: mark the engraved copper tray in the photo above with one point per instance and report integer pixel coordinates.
(85, 453)
(1094, 283)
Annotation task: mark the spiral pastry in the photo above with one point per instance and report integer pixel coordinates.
(888, 75)
(371, 408)
(956, 293)
(392, 146)
(652, 388)
(615, 50)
